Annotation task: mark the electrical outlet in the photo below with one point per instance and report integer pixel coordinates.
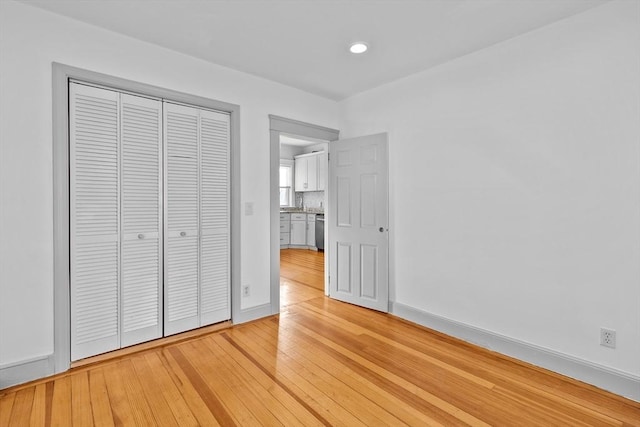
(608, 337)
(245, 291)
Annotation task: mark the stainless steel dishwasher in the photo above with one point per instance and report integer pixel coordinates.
(320, 232)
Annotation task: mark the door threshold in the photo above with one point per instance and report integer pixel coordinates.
(150, 345)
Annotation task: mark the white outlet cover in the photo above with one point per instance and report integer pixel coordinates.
(608, 337)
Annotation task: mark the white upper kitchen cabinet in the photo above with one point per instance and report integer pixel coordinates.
(307, 172)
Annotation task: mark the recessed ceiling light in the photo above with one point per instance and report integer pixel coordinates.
(358, 47)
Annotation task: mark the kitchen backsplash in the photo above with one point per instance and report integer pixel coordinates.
(310, 199)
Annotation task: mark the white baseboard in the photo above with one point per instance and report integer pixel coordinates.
(616, 381)
(252, 313)
(26, 370)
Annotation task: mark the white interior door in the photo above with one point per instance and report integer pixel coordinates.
(215, 231)
(94, 117)
(358, 221)
(181, 135)
(141, 206)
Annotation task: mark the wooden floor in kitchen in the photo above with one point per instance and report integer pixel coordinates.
(320, 362)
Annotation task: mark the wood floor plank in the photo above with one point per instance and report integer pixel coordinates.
(21, 411)
(396, 404)
(183, 364)
(496, 369)
(350, 399)
(387, 373)
(61, 402)
(6, 406)
(100, 403)
(38, 410)
(120, 407)
(303, 266)
(152, 392)
(230, 364)
(150, 366)
(319, 362)
(237, 398)
(142, 411)
(440, 411)
(190, 393)
(81, 410)
(278, 399)
(277, 365)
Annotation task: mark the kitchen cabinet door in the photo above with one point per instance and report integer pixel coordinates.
(301, 183)
(311, 230)
(298, 233)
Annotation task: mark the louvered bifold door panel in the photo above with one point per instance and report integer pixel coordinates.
(141, 172)
(214, 218)
(181, 218)
(94, 220)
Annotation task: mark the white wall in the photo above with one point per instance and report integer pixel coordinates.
(515, 183)
(30, 40)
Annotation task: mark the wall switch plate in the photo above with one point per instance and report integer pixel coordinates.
(248, 208)
(245, 291)
(608, 337)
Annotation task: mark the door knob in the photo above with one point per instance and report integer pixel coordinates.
(140, 236)
(183, 233)
(381, 229)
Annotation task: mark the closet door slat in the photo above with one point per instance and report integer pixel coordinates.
(214, 218)
(141, 172)
(94, 227)
(181, 136)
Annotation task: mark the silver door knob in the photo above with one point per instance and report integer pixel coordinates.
(183, 233)
(381, 229)
(140, 236)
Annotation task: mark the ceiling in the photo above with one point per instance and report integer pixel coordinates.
(304, 43)
(297, 141)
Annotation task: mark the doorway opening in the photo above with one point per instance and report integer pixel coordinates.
(299, 180)
(303, 180)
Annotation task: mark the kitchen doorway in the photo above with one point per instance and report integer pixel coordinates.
(299, 164)
(302, 179)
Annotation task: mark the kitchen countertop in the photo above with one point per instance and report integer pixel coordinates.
(302, 210)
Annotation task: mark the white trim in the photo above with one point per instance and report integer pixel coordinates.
(281, 125)
(25, 370)
(613, 380)
(252, 313)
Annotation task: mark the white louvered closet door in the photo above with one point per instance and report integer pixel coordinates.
(141, 207)
(181, 136)
(214, 218)
(94, 222)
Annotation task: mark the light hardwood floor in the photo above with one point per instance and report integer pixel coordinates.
(320, 362)
(303, 266)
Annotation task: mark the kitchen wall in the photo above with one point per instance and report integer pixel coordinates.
(515, 175)
(290, 151)
(30, 40)
(312, 199)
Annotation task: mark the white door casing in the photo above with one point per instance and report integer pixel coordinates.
(358, 221)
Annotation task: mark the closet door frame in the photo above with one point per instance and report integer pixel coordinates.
(62, 75)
